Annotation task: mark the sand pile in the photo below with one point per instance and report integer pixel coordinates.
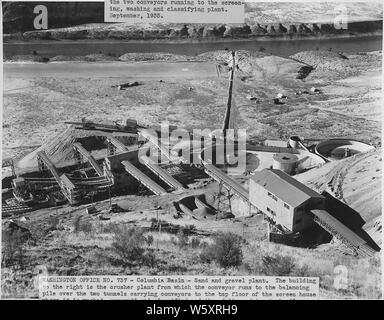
(242, 56)
(256, 64)
(98, 57)
(60, 58)
(59, 149)
(322, 59)
(27, 58)
(355, 181)
(330, 65)
(155, 56)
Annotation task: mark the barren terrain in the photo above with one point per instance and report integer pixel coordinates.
(38, 98)
(56, 246)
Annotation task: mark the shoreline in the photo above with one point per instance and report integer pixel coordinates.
(117, 61)
(267, 38)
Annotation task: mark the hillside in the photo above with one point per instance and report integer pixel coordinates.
(355, 181)
(85, 21)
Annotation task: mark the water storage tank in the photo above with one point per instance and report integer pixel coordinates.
(294, 142)
(285, 162)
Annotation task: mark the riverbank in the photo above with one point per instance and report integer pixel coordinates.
(111, 50)
(16, 39)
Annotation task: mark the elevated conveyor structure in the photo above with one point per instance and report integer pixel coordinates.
(95, 183)
(157, 143)
(89, 157)
(89, 179)
(228, 183)
(42, 181)
(120, 147)
(10, 209)
(142, 178)
(343, 233)
(162, 174)
(45, 162)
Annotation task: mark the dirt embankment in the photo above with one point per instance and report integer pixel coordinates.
(100, 57)
(75, 21)
(355, 181)
(337, 65)
(193, 32)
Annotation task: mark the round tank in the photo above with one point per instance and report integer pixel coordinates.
(285, 162)
(294, 142)
(336, 149)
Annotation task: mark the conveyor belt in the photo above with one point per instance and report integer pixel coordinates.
(157, 143)
(97, 184)
(95, 179)
(162, 174)
(89, 157)
(118, 144)
(228, 183)
(41, 180)
(47, 162)
(343, 233)
(273, 149)
(142, 178)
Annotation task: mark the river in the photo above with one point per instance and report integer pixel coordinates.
(282, 48)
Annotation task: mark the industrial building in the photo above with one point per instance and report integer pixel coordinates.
(284, 199)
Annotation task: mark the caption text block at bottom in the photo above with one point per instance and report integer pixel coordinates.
(175, 11)
(178, 287)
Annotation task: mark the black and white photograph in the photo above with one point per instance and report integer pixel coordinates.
(138, 144)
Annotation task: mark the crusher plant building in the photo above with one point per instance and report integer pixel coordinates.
(284, 199)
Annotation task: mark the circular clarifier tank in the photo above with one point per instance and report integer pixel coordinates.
(256, 158)
(285, 162)
(337, 149)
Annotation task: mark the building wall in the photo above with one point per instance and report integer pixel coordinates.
(293, 218)
(271, 205)
(301, 218)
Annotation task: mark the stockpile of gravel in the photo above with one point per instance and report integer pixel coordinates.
(155, 56)
(330, 65)
(62, 58)
(322, 59)
(27, 58)
(100, 57)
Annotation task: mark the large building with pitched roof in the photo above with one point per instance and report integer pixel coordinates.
(285, 200)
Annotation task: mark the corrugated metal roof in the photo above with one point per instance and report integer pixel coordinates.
(285, 187)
